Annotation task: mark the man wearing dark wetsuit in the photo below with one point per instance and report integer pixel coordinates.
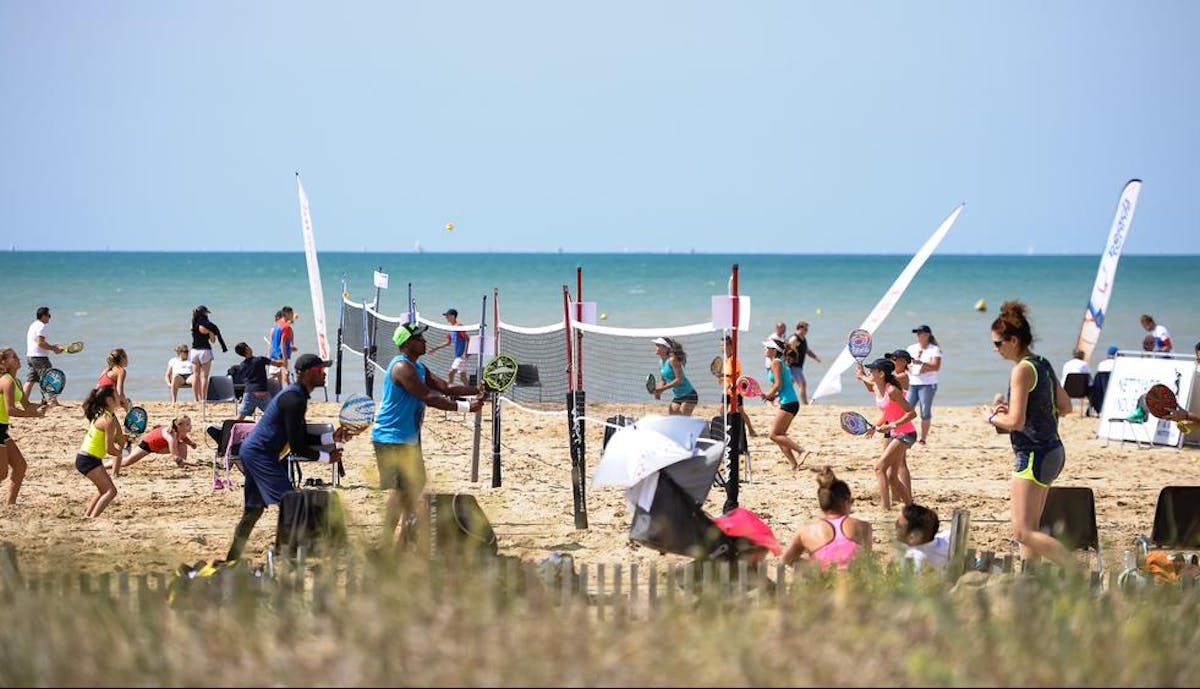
(281, 431)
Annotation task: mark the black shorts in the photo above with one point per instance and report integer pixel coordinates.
(3, 434)
(145, 446)
(84, 463)
(792, 408)
(690, 397)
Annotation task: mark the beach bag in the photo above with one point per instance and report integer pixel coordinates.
(310, 519)
(461, 531)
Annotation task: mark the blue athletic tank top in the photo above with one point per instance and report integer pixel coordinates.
(787, 391)
(400, 414)
(668, 374)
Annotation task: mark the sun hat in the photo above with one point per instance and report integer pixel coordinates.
(772, 343)
(661, 342)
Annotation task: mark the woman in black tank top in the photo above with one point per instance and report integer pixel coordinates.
(1036, 400)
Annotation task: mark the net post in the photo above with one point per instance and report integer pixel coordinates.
(337, 378)
(496, 479)
(578, 469)
(733, 421)
(368, 374)
(479, 379)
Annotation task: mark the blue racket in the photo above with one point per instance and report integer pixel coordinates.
(357, 413)
(135, 421)
(53, 382)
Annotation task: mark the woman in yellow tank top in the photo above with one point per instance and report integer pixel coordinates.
(104, 437)
(13, 403)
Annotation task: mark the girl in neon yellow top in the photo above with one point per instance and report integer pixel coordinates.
(13, 403)
(104, 437)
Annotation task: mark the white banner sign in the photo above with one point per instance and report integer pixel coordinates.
(1132, 376)
(381, 280)
(722, 312)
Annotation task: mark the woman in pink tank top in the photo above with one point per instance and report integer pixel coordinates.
(836, 538)
(895, 422)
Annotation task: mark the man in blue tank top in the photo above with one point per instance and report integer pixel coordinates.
(410, 387)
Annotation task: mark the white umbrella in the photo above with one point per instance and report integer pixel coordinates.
(637, 451)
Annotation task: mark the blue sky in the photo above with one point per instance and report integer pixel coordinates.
(714, 126)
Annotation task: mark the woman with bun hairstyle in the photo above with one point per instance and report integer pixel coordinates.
(170, 440)
(1035, 401)
(835, 538)
(114, 374)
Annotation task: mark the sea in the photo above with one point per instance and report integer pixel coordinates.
(143, 301)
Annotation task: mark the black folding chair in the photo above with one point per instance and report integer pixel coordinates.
(1176, 519)
(1070, 516)
(1079, 386)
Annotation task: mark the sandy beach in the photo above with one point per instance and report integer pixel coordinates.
(165, 515)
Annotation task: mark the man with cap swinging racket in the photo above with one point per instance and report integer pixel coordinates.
(282, 430)
(410, 387)
(458, 339)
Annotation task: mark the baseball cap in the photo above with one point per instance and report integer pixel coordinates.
(661, 341)
(923, 329)
(883, 365)
(407, 331)
(307, 361)
(450, 312)
(772, 343)
(1113, 349)
(203, 309)
(898, 354)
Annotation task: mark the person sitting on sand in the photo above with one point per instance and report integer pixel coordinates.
(836, 538)
(917, 529)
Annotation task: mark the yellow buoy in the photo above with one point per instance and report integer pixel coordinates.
(604, 316)
(449, 227)
(818, 310)
(981, 305)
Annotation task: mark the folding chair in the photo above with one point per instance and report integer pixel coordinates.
(220, 389)
(295, 473)
(1135, 422)
(1070, 516)
(527, 377)
(229, 440)
(1078, 386)
(1176, 520)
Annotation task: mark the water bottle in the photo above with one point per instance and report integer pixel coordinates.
(1128, 562)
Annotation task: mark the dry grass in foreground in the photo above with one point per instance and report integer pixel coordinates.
(401, 623)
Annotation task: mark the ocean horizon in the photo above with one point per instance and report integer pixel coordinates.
(142, 301)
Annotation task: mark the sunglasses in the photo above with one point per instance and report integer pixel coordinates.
(997, 343)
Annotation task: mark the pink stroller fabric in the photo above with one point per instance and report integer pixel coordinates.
(741, 522)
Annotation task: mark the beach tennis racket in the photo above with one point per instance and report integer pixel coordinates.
(53, 382)
(1161, 401)
(500, 373)
(74, 348)
(716, 366)
(651, 385)
(749, 387)
(855, 423)
(357, 413)
(859, 344)
(135, 421)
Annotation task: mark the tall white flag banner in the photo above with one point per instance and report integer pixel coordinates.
(314, 273)
(831, 384)
(1106, 274)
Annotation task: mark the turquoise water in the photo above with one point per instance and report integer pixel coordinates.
(143, 301)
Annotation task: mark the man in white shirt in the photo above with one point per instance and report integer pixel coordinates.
(1107, 364)
(1162, 336)
(1076, 364)
(38, 350)
(916, 528)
